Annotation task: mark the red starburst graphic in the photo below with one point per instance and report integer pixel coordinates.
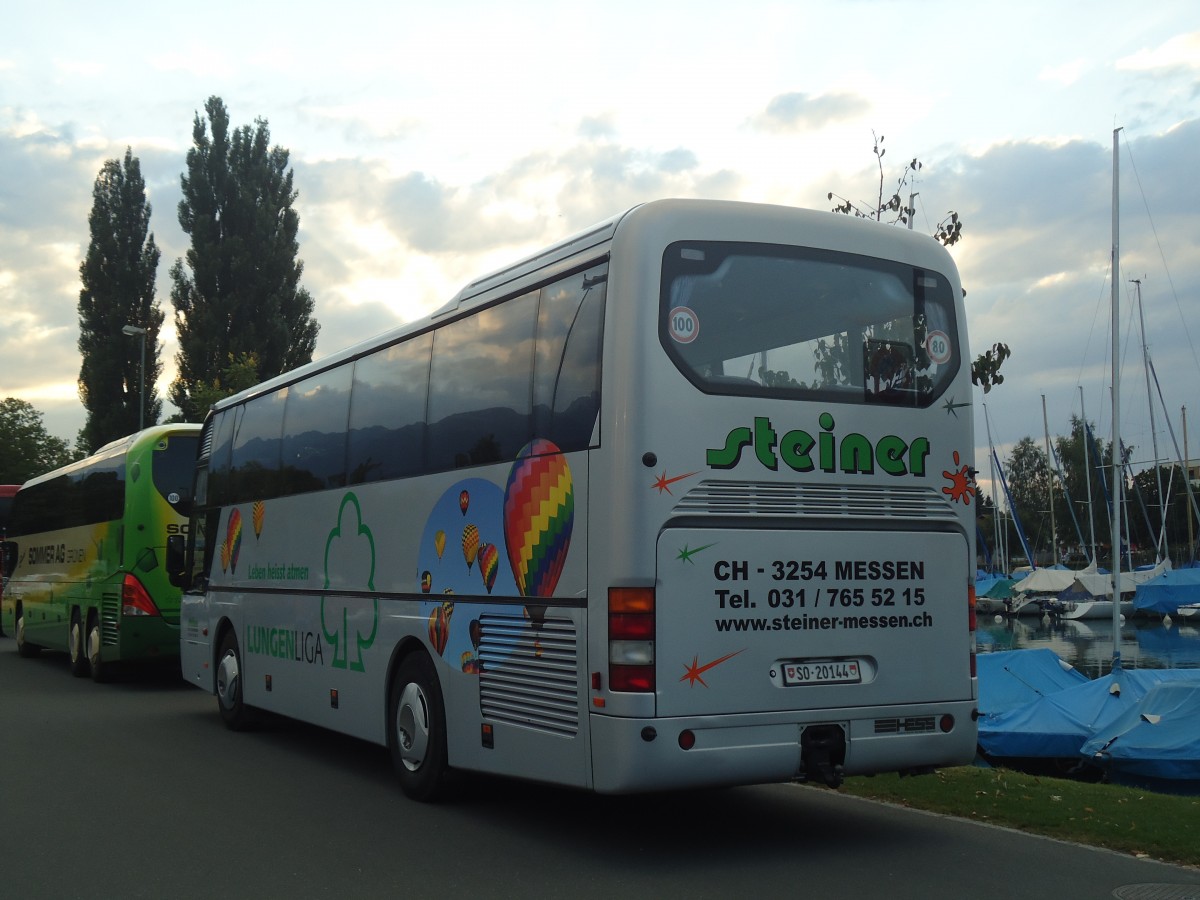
(693, 672)
(960, 487)
(662, 482)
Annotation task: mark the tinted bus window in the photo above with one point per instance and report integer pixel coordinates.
(256, 443)
(220, 461)
(100, 492)
(314, 432)
(480, 386)
(566, 384)
(387, 412)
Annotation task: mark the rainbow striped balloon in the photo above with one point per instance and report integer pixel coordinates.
(233, 541)
(539, 511)
(439, 626)
(489, 563)
(257, 513)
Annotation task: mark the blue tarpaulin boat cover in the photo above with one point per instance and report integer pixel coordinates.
(1169, 591)
(1012, 678)
(1057, 725)
(1157, 738)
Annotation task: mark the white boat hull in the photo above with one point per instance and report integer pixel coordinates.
(1094, 609)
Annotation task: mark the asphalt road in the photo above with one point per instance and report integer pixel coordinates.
(135, 789)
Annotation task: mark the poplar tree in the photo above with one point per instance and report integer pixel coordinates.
(238, 291)
(118, 275)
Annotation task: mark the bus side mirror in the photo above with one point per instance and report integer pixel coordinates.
(177, 560)
(8, 558)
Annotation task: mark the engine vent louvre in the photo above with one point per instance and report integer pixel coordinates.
(529, 675)
(823, 501)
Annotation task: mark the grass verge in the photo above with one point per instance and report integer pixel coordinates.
(1142, 823)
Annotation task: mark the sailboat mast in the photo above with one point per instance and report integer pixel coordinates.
(1118, 475)
(1001, 547)
(1050, 486)
(1087, 475)
(1160, 542)
(1187, 477)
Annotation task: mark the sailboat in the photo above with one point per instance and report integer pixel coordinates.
(1101, 721)
(1090, 595)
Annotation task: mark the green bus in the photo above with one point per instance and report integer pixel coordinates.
(85, 549)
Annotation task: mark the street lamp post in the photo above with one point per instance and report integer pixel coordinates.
(141, 332)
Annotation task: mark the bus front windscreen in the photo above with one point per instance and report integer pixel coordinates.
(174, 466)
(766, 320)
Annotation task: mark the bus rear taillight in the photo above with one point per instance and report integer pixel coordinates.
(631, 639)
(134, 599)
(971, 623)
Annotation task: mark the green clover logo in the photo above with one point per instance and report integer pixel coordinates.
(349, 551)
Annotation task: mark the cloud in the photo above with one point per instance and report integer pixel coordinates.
(1065, 73)
(801, 112)
(1180, 52)
(1035, 261)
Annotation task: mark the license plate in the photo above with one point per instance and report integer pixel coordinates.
(822, 671)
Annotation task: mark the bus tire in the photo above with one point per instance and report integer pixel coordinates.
(79, 660)
(100, 669)
(235, 713)
(25, 649)
(417, 729)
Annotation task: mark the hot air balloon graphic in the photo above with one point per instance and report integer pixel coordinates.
(464, 500)
(233, 541)
(489, 563)
(539, 510)
(426, 582)
(439, 626)
(257, 514)
(439, 542)
(470, 544)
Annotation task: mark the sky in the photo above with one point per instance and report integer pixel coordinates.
(432, 143)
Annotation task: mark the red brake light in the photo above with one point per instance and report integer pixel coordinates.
(631, 628)
(633, 679)
(134, 599)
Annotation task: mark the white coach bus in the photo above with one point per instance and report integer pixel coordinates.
(683, 500)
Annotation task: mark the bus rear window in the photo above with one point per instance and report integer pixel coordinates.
(766, 320)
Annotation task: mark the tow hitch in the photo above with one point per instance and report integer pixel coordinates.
(822, 754)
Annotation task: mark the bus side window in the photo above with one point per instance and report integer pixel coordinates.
(387, 412)
(314, 433)
(566, 391)
(256, 445)
(481, 385)
(102, 492)
(220, 473)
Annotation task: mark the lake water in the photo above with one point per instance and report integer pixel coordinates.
(1088, 645)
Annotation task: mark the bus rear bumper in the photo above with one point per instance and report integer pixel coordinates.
(638, 755)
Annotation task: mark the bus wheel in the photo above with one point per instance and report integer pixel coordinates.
(24, 648)
(79, 660)
(100, 669)
(417, 729)
(236, 715)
